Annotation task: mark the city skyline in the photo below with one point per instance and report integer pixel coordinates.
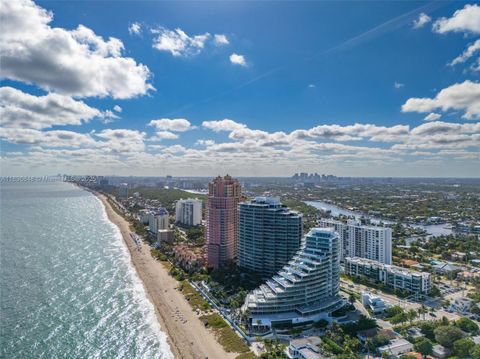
(351, 89)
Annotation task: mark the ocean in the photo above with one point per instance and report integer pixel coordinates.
(67, 286)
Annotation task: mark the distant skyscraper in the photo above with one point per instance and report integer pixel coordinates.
(269, 235)
(223, 197)
(357, 240)
(123, 190)
(304, 290)
(188, 212)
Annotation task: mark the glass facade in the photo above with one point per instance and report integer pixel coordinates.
(269, 235)
(304, 288)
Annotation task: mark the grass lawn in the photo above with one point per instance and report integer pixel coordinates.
(226, 336)
(248, 355)
(194, 298)
(167, 265)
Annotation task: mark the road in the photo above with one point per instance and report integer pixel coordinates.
(394, 300)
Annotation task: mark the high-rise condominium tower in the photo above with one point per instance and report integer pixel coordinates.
(158, 220)
(223, 197)
(188, 212)
(357, 240)
(269, 235)
(306, 289)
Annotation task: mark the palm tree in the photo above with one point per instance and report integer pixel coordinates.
(352, 298)
(411, 315)
(422, 311)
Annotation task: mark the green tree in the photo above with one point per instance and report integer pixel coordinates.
(399, 318)
(351, 298)
(422, 311)
(351, 344)
(446, 335)
(393, 311)
(424, 347)
(411, 315)
(475, 352)
(427, 329)
(347, 356)
(467, 325)
(462, 347)
(380, 340)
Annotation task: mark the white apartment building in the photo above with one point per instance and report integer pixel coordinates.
(357, 240)
(144, 216)
(158, 220)
(188, 212)
(391, 276)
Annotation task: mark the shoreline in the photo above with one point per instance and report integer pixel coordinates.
(187, 336)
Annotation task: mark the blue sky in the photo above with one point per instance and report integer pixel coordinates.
(252, 88)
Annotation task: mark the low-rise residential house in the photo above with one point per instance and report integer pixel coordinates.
(305, 348)
(468, 276)
(415, 332)
(440, 352)
(418, 355)
(408, 263)
(475, 262)
(461, 305)
(458, 256)
(396, 347)
(448, 269)
(363, 335)
(373, 302)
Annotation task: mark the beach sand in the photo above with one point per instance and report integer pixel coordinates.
(187, 336)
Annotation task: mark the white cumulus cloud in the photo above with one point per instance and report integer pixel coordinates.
(467, 54)
(220, 39)
(463, 96)
(163, 135)
(421, 21)
(237, 59)
(58, 138)
(432, 116)
(177, 42)
(20, 109)
(122, 140)
(175, 125)
(223, 125)
(135, 28)
(463, 20)
(71, 62)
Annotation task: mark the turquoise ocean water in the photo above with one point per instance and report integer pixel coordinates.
(67, 287)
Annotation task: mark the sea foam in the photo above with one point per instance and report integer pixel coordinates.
(138, 289)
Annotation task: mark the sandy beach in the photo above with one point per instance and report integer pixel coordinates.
(187, 336)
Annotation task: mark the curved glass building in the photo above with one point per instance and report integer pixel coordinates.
(306, 289)
(269, 235)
